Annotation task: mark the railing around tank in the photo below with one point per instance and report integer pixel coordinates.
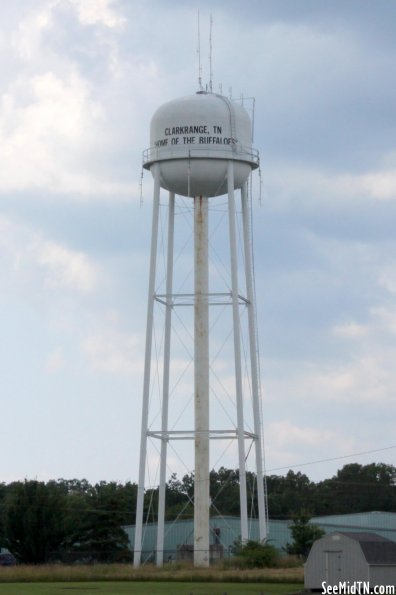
(236, 151)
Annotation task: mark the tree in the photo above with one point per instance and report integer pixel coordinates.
(178, 500)
(357, 488)
(3, 491)
(95, 520)
(34, 520)
(289, 494)
(224, 491)
(304, 534)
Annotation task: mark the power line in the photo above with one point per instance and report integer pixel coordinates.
(355, 454)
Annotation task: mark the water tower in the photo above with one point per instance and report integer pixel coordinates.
(201, 148)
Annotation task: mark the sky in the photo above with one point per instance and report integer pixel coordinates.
(79, 82)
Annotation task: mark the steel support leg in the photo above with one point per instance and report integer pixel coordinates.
(237, 351)
(261, 496)
(165, 383)
(147, 370)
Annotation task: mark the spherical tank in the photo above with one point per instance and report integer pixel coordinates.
(192, 140)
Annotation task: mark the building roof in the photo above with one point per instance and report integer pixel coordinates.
(376, 549)
(374, 519)
(381, 523)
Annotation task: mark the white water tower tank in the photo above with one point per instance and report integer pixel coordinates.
(193, 137)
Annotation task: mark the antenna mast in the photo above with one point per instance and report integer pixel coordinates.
(210, 56)
(199, 57)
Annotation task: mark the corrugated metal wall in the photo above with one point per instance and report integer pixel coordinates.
(182, 532)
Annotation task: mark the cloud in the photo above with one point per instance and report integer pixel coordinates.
(387, 278)
(291, 445)
(380, 185)
(317, 188)
(26, 38)
(361, 373)
(49, 128)
(31, 261)
(55, 131)
(365, 378)
(283, 433)
(39, 18)
(92, 12)
(350, 330)
(64, 268)
(55, 361)
(113, 352)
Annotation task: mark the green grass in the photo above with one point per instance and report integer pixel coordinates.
(147, 588)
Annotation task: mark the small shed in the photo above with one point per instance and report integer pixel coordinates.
(341, 556)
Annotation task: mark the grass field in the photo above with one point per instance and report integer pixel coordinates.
(148, 588)
(96, 573)
(123, 579)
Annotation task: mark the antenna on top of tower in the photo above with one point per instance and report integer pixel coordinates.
(199, 57)
(210, 55)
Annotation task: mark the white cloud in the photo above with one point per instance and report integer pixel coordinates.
(364, 373)
(92, 12)
(362, 379)
(350, 330)
(54, 128)
(31, 261)
(113, 352)
(55, 361)
(48, 126)
(65, 268)
(387, 278)
(28, 36)
(281, 434)
(26, 39)
(319, 451)
(378, 184)
(365, 378)
(291, 445)
(314, 186)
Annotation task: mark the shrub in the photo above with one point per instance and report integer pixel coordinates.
(254, 554)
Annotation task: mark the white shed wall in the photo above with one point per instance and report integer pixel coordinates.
(335, 558)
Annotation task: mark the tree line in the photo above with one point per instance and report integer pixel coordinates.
(75, 520)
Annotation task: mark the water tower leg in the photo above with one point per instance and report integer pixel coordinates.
(165, 382)
(201, 382)
(254, 363)
(237, 352)
(147, 370)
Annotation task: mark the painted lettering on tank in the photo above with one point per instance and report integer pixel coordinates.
(187, 134)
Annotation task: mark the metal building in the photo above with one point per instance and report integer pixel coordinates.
(350, 557)
(201, 149)
(375, 521)
(224, 531)
(278, 531)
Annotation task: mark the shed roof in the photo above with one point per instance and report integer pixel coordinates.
(376, 549)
